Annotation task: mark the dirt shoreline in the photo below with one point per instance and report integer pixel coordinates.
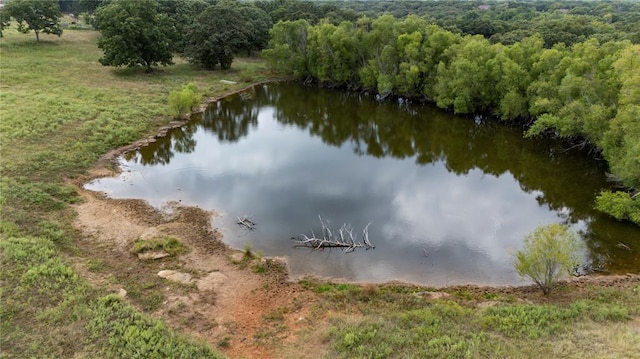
(232, 294)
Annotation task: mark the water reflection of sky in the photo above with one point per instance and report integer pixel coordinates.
(429, 225)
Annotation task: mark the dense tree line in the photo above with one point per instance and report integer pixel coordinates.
(148, 33)
(587, 92)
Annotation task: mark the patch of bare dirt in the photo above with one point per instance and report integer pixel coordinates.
(225, 302)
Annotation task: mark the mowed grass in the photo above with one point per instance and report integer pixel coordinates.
(60, 110)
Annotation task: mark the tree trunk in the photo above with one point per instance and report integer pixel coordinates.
(37, 35)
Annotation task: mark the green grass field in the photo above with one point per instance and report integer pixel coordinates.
(60, 110)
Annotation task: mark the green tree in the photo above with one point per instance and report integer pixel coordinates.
(5, 20)
(621, 143)
(183, 13)
(258, 23)
(381, 51)
(578, 97)
(37, 15)
(91, 6)
(134, 33)
(333, 53)
(512, 68)
(409, 78)
(215, 36)
(436, 49)
(619, 205)
(287, 50)
(550, 253)
(467, 84)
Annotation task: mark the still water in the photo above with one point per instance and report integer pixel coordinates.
(449, 198)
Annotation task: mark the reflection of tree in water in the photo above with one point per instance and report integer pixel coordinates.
(566, 180)
(399, 130)
(162, 151)
(404, 130)
(229, 119)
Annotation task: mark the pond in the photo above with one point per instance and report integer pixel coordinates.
(449, 198)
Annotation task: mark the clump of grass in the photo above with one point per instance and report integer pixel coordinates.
(253, 259)
(96, 265)
(169, 244)
(528, 321)
(259, 268)
(52, 230)
(276, 314)
(224, 342)
(249, 253)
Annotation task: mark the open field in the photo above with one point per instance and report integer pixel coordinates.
(72, 285)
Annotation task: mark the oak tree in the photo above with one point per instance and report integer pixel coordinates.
(134, 33)
(215, 36)
(5, 20)
(41, 16)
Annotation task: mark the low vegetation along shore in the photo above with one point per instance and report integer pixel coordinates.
(75, 281)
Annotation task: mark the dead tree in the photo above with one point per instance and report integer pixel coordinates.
(343, 239)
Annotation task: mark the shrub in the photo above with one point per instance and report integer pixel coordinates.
(181, 102)
(550, 253)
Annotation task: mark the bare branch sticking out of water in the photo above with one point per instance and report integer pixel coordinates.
(623, 246)
(244, 221)
(344, 239)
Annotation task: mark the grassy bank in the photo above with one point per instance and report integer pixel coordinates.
(403, 322)
(61, 110)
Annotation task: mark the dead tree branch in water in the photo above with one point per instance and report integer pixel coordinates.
(343, 239)
(247, 223)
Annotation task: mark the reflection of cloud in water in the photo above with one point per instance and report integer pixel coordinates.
(284, 179)
(490, 214)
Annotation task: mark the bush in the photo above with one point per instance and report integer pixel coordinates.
(550, 253)
(181, 102)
